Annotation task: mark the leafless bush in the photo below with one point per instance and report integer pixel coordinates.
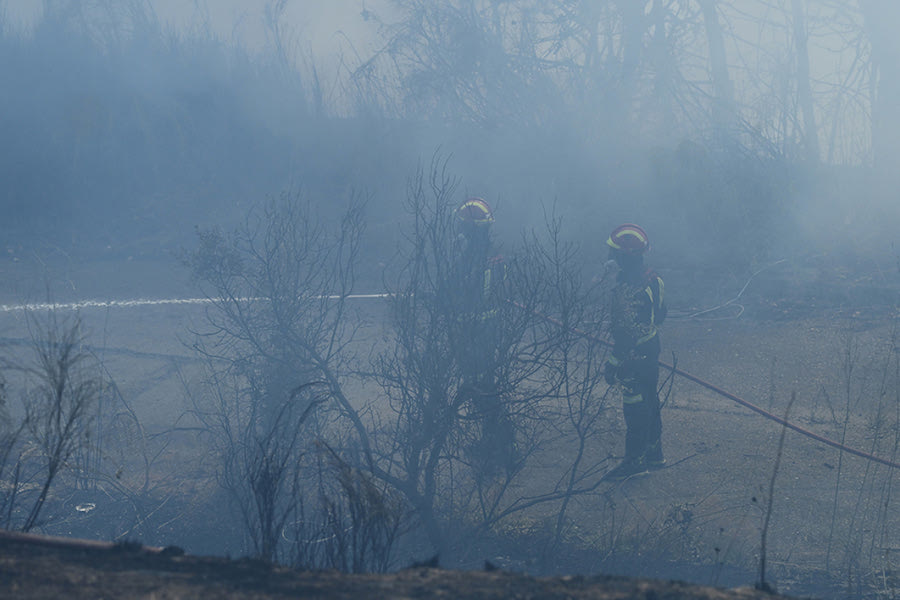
(10, 467)
(278, 290)
(476, 395)
(871, 381)
(61, 389)
(526, 63)
(276, 343)
(362, 519)
(456, 441)
(264, 465)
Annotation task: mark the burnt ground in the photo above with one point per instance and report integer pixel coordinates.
(828, 340)
(36, 568)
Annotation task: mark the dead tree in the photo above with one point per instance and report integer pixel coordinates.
(810, 135)
(879, 19)
(61, 388)
(724, 112)
(58, 409)
(277, 324)
(278, 291)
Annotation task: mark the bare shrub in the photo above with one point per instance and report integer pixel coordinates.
(54, 418)
(277, 345)
(476, 394)
(461, 435)
(278, 290)
(263, 465)
(11, 430)
(362, 519)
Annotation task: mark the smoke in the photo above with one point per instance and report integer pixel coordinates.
(129, 126)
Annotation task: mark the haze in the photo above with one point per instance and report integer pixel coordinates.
(756, 141)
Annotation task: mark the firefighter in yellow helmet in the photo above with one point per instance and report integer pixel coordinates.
(480, 272)
(480, 277)
(637, 308)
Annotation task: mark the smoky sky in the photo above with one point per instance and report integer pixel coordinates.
(534, 140)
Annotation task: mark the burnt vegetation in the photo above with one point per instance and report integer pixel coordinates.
(343, 402)
(470, 398)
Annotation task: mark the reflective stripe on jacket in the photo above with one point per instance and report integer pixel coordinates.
(636, 311)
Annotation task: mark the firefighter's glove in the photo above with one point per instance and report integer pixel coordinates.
(610, 373)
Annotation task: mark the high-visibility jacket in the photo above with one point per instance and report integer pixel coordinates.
(637, 309)
(493, 286)
(480, 286)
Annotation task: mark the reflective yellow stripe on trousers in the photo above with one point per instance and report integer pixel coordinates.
(631, 399)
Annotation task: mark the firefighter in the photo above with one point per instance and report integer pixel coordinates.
(637, 308)
(479, 282)
(476, 267)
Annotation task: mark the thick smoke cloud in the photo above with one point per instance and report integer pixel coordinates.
(755, 141)
(178, 108)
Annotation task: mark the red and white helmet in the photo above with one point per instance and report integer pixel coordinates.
(629, 238)
(476, 211)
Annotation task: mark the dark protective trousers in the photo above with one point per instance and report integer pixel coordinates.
(495, 451)
(640, 403)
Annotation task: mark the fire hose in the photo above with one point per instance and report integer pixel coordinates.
(733, 398)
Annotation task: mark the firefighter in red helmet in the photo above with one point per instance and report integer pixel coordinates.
(637, 308)
(480, 277)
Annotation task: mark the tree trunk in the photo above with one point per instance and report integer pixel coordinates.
(633, 29)
(724, 109)
(880, 18)
(665, 67)
(804, 89)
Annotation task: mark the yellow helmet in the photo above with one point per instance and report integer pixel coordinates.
(629, 238)
(476, 211)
